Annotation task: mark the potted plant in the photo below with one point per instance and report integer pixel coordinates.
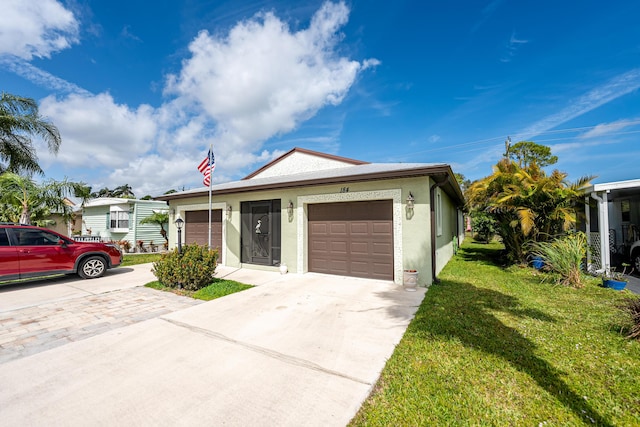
(615, 279)
(125, 245)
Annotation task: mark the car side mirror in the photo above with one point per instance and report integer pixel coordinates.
(62, 243)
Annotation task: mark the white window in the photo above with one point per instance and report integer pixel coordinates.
(119, 219)
(438, 212)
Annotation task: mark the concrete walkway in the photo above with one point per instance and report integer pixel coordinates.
(296, 350)
(633, 284)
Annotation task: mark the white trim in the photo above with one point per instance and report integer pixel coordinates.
(180, 210)
(618, 185)
(302, 228)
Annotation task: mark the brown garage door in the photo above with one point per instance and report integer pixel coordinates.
(352, 239)
(196, 227)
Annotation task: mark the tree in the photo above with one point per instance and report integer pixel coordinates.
(83, 192)
(158, 218)
(105, 192)
(527, 204)
(19, 120)
(124, 191)
(525, 153)
(27, 202)
(463, 182)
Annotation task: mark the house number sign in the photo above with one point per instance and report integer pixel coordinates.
(344, 190)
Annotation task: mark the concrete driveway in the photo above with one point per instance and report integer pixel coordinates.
(296, 350)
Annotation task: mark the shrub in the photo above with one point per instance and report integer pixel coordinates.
(632, 307)
(563, 256)
(484, 226)
(192, 269)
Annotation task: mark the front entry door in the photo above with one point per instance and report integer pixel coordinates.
(261, 232)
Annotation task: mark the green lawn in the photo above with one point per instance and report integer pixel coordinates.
(133, 259)
(218, 288)
(495, 346)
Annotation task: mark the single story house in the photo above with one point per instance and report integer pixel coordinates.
(116, 219)
(316, 212)
(612, 219)
(59, 225)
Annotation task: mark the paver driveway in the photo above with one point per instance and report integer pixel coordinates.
(30, 330)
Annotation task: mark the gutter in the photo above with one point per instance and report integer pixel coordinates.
(432, 195)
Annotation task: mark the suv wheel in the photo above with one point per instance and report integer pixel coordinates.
(92, 267)
(635, 261)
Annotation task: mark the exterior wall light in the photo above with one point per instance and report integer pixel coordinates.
(229, 209)
(410, 200)
(290, 208)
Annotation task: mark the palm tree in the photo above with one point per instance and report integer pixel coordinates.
(25, 202)
(19, 119)
(527, 204)
(159, 218)
(124, 191)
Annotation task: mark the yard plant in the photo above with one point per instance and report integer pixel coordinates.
(564, 257)
(495, 346)
(191, 269)
(217, 289)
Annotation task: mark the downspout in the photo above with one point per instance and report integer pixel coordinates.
(432, 207)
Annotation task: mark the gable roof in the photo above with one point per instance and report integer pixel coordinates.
(290, 162)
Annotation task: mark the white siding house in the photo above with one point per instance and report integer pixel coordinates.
(115, 219)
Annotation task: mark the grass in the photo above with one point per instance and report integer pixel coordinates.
(133, 259)
(495, 346)
(217, 289)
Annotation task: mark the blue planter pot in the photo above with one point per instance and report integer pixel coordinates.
(537, 263)
(617, 285)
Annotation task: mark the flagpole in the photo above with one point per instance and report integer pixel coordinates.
(210, 185)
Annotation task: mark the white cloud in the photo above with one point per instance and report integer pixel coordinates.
(618, 86)
(235, 91)
(512, 47)
(262, 79)
(605, 129)
(98, 132)
(36, 28)
(39, 76)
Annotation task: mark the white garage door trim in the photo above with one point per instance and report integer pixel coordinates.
(204, 206)
(359, 196)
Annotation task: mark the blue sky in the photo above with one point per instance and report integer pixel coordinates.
(140, 93)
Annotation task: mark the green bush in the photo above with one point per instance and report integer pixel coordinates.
(191, 270)
(563, 256)
(484, 226)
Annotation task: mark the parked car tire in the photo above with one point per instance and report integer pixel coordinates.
(635, 261)
(92, 267)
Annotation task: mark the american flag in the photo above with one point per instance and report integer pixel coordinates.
(207, 166)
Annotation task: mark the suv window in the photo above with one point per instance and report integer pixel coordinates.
(31, 237)
(4, 239)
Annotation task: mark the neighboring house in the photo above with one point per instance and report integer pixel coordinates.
(612, 222)
(114, 219)
(60, 226)
(316, 212)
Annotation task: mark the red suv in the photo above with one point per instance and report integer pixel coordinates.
(27, 251)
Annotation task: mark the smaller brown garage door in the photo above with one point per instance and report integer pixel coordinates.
(352, 239)
(196, 227)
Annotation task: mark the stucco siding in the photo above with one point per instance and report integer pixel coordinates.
(444, 241)
(300, 162)
(411, 229)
